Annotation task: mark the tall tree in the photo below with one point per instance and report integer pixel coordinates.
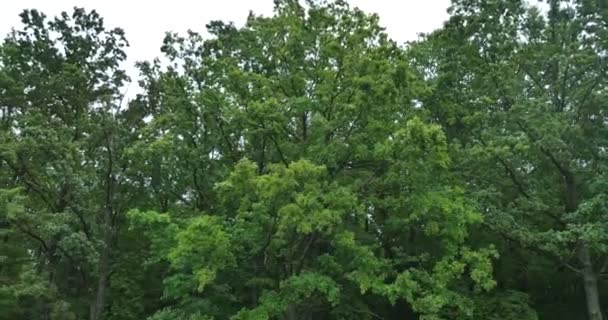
(345, 206)
(521, 92)
(64, 191)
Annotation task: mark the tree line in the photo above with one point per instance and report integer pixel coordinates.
(306, 166)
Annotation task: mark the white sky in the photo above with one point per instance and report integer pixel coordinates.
(145, 22)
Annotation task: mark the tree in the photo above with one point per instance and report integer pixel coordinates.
(63, 136)
(305, 166)
(521, 94)
(346, 205)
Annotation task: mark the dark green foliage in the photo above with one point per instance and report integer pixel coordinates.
(305, 166)
(522, 96)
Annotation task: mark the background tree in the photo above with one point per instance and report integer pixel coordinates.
(521, 94)
(64, 191)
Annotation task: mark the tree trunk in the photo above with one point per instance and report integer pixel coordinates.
(290, 313)
(97, 307)
(592, 295)
(590, 283)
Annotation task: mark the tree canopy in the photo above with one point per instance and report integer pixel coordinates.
(306, 166)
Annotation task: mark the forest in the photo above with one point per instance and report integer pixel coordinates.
(305, 166)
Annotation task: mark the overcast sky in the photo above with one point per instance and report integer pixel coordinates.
(145, 22)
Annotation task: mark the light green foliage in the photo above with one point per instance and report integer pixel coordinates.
(202, 247)
(288, 236)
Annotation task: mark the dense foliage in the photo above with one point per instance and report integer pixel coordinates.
(305, 166)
